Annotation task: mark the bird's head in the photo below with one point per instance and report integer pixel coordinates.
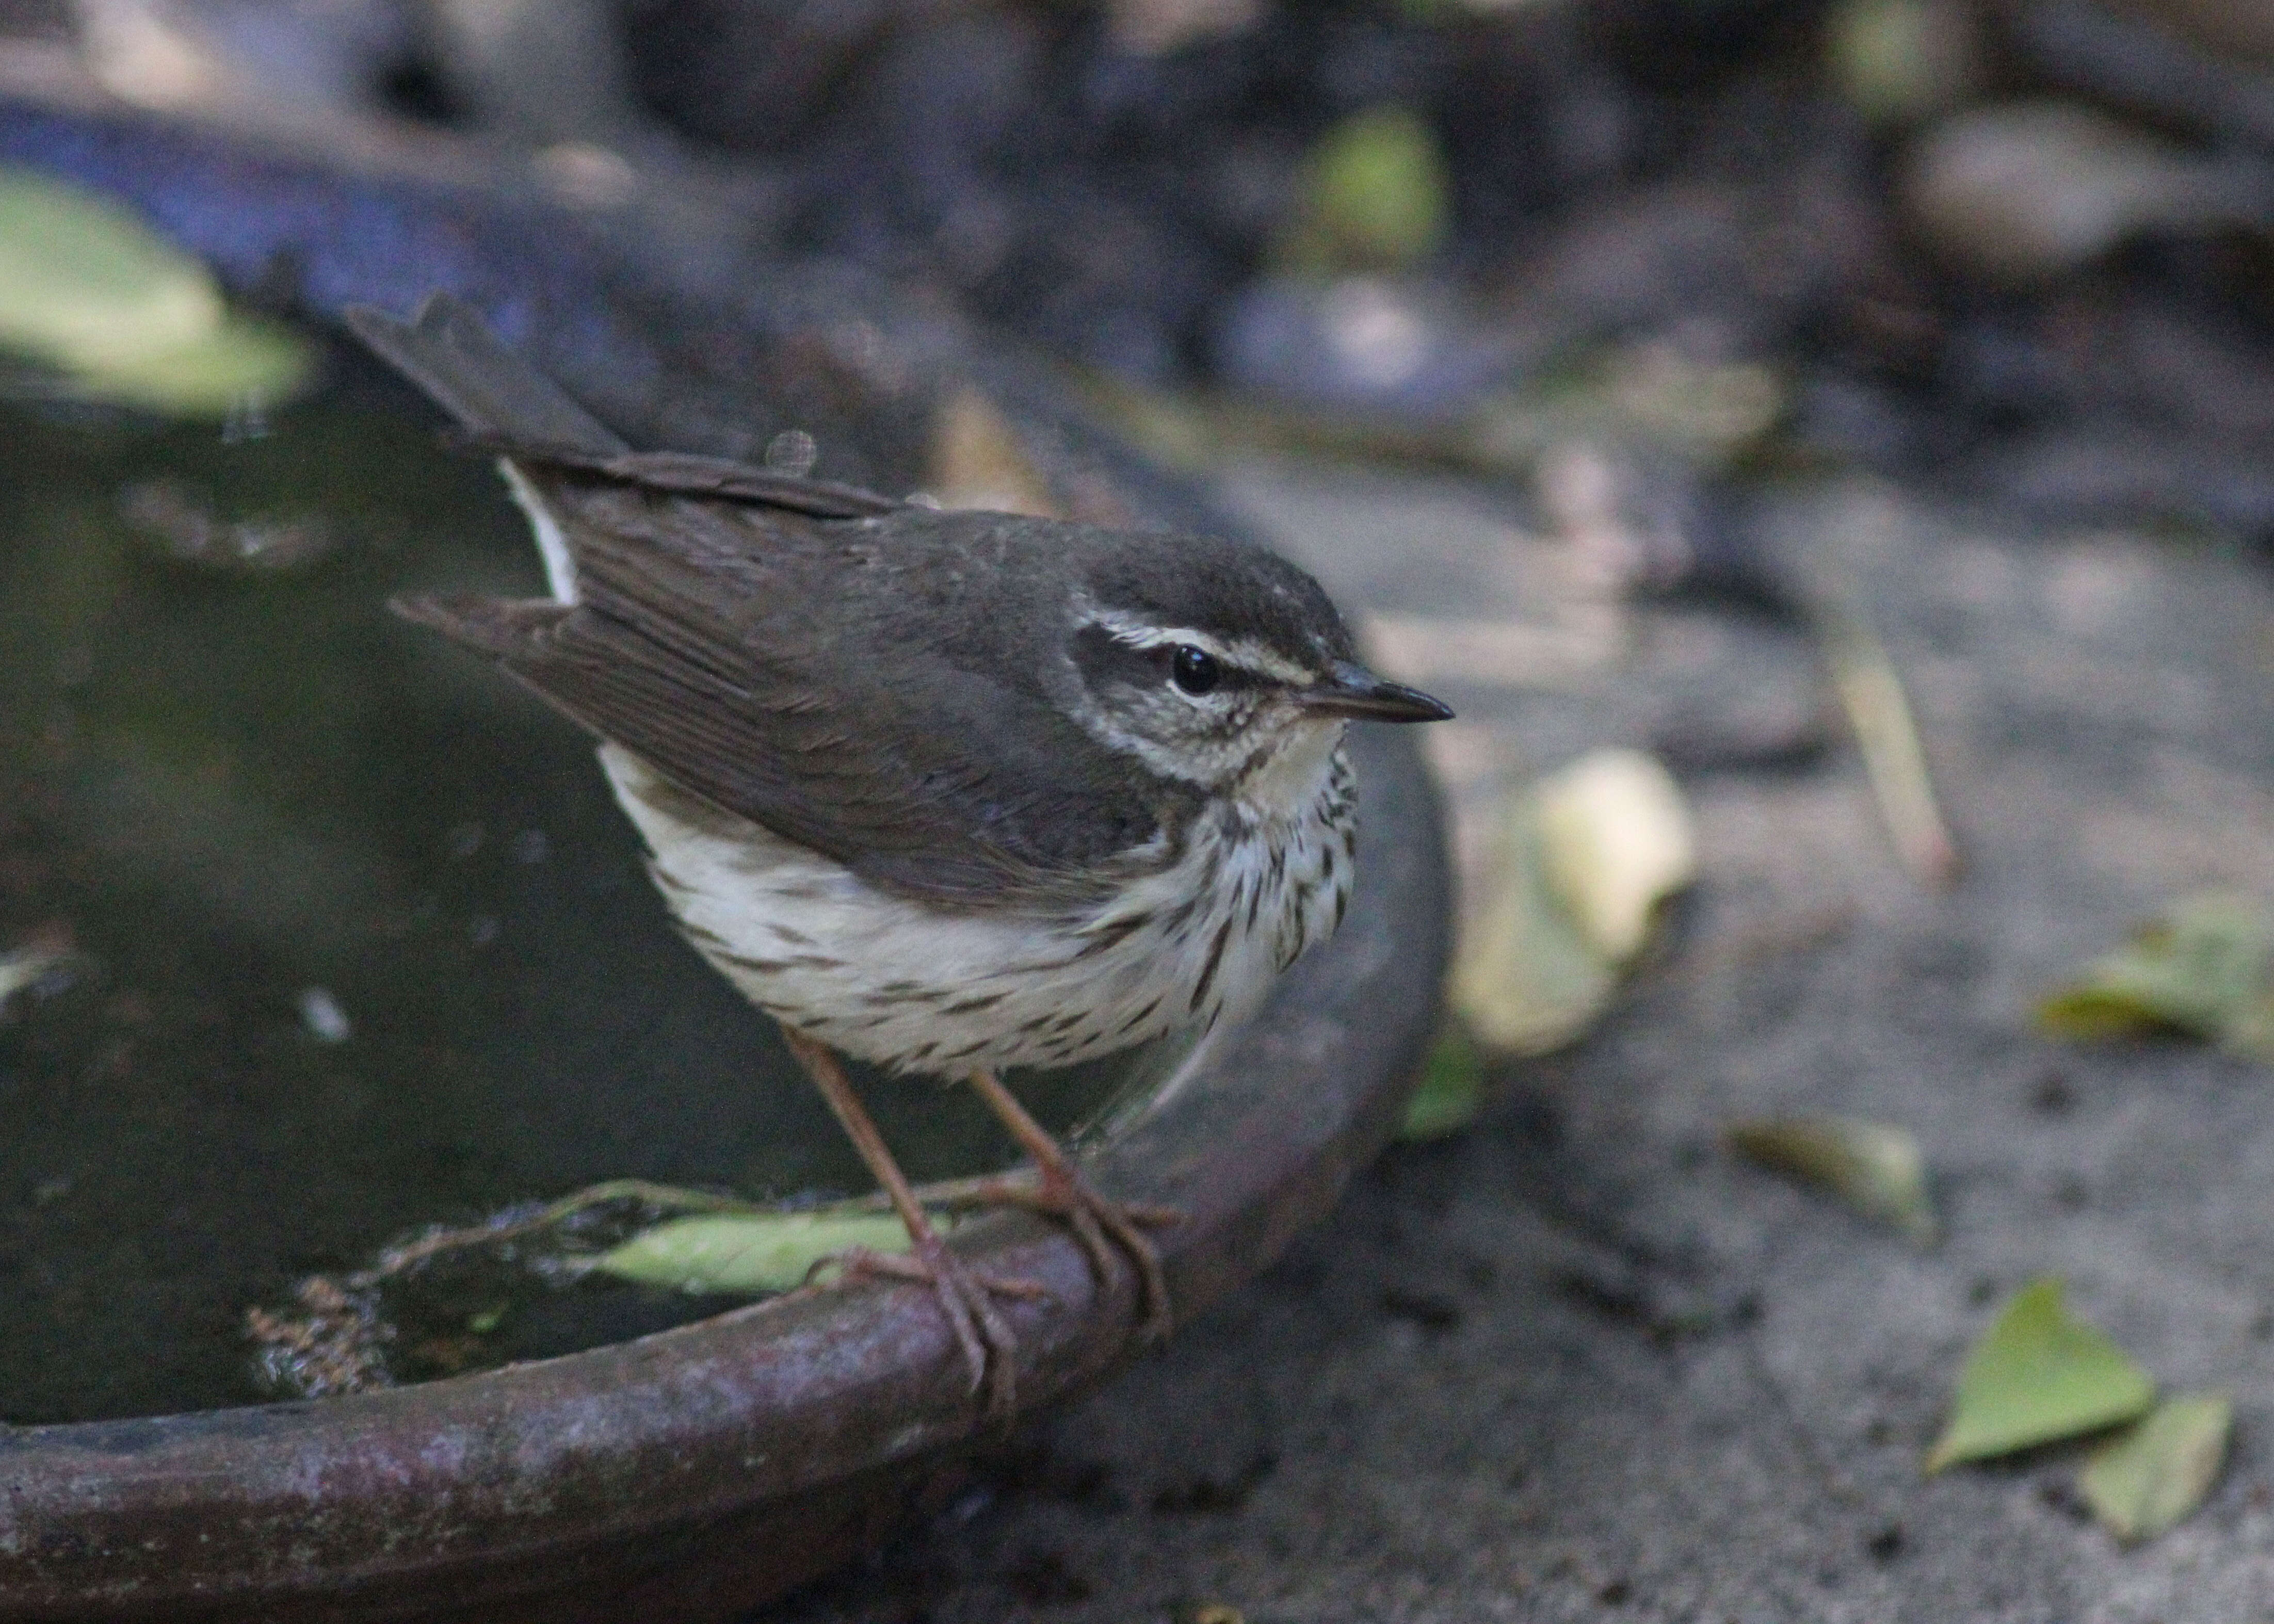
(1221, 665)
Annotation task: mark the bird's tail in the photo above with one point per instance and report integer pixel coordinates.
(494, 392)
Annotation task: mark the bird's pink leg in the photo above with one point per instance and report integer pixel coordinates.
(965, 1295)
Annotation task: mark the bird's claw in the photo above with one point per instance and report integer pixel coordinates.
(966, 1296)
(1098, 1225)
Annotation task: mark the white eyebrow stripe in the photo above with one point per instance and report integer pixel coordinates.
(1245, 652)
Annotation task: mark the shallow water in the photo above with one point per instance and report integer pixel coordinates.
(360, 942)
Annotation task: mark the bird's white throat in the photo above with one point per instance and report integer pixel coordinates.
(1287, 785)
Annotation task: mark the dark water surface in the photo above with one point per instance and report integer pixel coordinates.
(250, 796)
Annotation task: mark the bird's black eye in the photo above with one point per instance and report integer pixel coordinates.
(1195, 669)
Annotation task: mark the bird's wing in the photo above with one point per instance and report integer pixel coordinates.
(686, 473)
(739, 676)
(716, 636)
(446, 351)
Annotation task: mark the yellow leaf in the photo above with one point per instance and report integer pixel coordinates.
(84, 281)
(1569, 895)
(1875, 1167)
(88, 289)
(1616, 842)
(2149, 1477)
(1526, 977)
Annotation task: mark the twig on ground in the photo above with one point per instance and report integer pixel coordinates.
(1880, 713)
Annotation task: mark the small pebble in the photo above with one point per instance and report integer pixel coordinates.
(792, 451)
(321, 1014)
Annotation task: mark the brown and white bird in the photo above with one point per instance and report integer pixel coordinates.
(947, 791)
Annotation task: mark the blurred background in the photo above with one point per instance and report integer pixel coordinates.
(2020, 244)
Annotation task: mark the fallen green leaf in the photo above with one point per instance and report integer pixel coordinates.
(2149, 1477)
(2037, 1377)
(1899, 61)
(1377, 196)
(88, 289)
(2206, 968)
(1873, 1166)
(747, 1251)
(1451, 1089)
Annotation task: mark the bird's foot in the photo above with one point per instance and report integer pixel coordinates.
(1099, 1224)
(966, 1296)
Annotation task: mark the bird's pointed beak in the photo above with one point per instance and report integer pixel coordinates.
(1354, 691)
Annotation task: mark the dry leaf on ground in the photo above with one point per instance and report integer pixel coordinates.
(1874, 1167)
(2206, 967)
(978, 461)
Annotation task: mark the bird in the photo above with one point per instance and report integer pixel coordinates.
(947, 791)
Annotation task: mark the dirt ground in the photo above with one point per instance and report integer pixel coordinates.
(1578, 1363)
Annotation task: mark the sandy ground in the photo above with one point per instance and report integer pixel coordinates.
(1578, 1363)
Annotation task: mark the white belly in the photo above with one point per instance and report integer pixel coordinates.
(915, 988)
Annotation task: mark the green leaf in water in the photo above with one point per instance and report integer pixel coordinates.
(1452, 1087)
(1873, 1166)
(1377, 196)
(2149, 1477)
(88, 288)
(747, 1251)
(2206, 968)
(2037, 1377)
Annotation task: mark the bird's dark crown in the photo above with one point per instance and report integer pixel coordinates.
(1231, 592)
